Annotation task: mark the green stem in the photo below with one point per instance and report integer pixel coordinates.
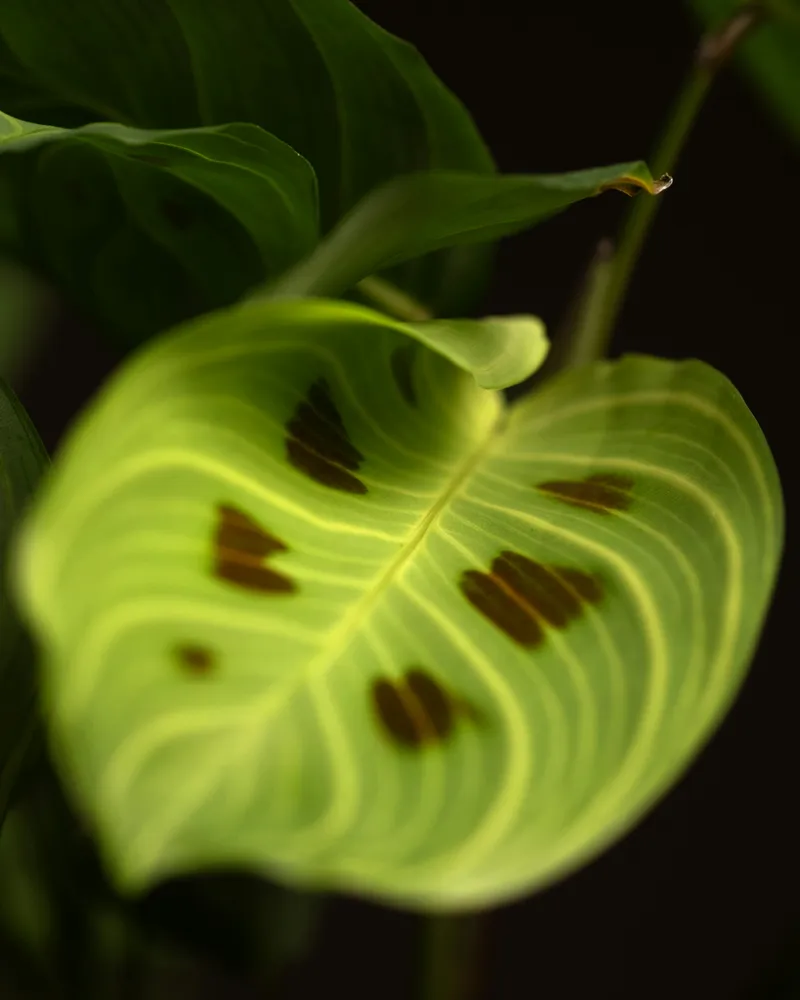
(452, 957)
(712, 53)
(393, 300)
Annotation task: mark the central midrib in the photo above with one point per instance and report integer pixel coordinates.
(340, 637)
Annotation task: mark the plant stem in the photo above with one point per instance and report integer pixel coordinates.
(452, 957)
(712, 53)
(393, 300)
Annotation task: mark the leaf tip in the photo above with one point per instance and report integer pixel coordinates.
(632, 185)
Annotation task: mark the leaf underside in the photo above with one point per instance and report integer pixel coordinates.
(313, 603)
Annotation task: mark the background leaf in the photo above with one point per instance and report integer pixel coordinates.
(359, 104)
(413, 215)
(145, 228)
(770, 55)
(372, 630)
(22, 459)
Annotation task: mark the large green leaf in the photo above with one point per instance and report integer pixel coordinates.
(770, 55)
(22, 459)
(359, 104)
(147, 228)
(413, 215)
(313, 602)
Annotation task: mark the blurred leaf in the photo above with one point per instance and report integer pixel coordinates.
(413, 215)
(312, 602)
(770, 55)
(25, 306)
(22, 460)
(147, 228)
(359, 104)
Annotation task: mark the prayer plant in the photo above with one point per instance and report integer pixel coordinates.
(309, 597)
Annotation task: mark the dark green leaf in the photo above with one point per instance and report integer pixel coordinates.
(413, 215)
(146, 228)
(22, 459)
(359, 104)
(770, 55)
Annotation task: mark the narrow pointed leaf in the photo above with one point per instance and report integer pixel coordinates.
(359, 104)
(353, 623)
(414, 215)
(145, 228)
(22, 460)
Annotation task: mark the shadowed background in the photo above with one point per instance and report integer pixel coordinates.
(700, 899)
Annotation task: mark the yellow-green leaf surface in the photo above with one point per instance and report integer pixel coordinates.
(313, 603)
(145, 228)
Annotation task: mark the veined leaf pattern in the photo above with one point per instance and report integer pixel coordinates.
(475, 672)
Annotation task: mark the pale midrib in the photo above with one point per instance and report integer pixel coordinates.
(123, 763)
(338, 640)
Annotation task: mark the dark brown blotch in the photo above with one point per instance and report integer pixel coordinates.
(394, 713)
(240, 547)
(524, 598)
(602, 493)
(316, 432)
(436, 706)
(318, 444)
(484, 592)
(195, 659)
(402, 363)
(177, 214)
(417, 711)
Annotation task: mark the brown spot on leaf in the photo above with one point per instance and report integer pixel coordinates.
(318, 444)
(602, 493)
(241, 546)
(395, 714)
(176, 214)
(417, 711)
(524, 598)
(195, 659)
(402, 363)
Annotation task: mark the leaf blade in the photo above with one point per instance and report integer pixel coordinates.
(491, 661)
(420, 213)
(148, 227)
(359, 104)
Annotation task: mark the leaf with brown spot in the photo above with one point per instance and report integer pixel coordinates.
(318, 444)
(195, 659)
(240, 547)
(417, 711)
(473, 688)
(524, 598)
(601, 493)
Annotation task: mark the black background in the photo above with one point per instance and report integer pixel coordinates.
(699, 900)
